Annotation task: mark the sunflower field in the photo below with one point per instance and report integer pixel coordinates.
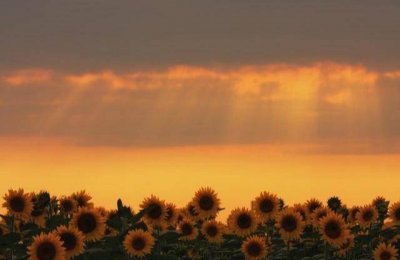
(38, 226)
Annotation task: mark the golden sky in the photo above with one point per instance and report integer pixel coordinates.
(134, 98)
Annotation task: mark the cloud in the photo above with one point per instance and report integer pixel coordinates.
(27, 76)
(323, 103)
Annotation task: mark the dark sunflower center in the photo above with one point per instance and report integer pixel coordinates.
(266, 206)
(67, 206)
(289, 223)
(138, 243)
(187, 229)
(81, 201)
(254, 249)
(17, 204)
(1, 231)
(212, 230)
(69, 240)
(155, 211)
(397, 214)
(206, 203)
(367, 216)
(244, 221)
(333, 229)
(87, 223)
(385, 255)
(46, 251)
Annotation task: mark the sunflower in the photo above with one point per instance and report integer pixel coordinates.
(190, 212)
(68, 205)
(18, 204)
(394, 212)
(213, 231)
(352, 217)
(187, 230)
(138, 243)
(242, 221)
(206, 203)
(301, 209)
(172, 214)
(73, 241)
(82, 199)
(379, 200)
(255, 248)
(290, 224)
(367, 215)
(312, 204)
(334, 203)
(46, 246)
(346, 246)
(318, 214)
(266, 206)
(385, 252)
(333, 229)
(156, 212)
(90, 223)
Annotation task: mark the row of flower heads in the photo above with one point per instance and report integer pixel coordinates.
(88, 223)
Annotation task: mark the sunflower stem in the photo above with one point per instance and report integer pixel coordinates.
(326, 252)
(288, 250)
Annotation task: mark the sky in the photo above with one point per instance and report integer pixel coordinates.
(163, 97)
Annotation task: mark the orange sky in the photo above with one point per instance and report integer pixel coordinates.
(238, 173)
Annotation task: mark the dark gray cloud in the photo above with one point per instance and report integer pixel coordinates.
(122, 35)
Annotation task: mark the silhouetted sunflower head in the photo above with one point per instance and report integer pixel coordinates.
(90, 223)
(290, 224)
(18, 204)
(82, 199)
(46, 247)
(187, 229)
(367, 216)
(266, 206)
(213, 231)
(138, 243)
(156, 211)
(67, 205)
(334, 203)
(206, 203)
(313, 204)
(255, 247)
(242, 221)
(73, 241)
(334, 230)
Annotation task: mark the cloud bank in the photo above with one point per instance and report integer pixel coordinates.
(343, 107)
